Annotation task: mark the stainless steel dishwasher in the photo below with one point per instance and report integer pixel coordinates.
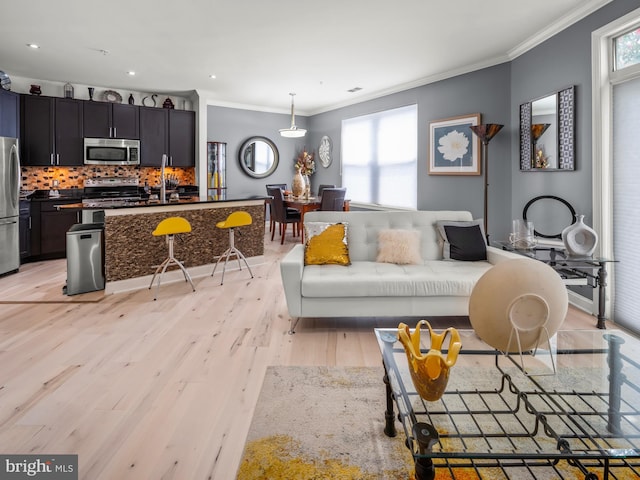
(85, 258)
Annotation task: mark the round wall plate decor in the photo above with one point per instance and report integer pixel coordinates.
(324, 151)
(112, 96)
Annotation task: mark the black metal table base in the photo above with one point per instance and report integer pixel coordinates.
(551, 416)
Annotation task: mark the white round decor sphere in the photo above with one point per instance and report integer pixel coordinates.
(498, 287)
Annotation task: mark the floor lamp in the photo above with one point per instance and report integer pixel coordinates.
(486, 132)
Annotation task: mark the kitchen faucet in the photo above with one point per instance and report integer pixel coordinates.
(163, 186)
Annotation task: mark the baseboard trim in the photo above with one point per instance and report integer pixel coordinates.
(580, 302)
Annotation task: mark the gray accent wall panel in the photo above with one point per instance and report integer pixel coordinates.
(559, 62)
(477, 92)
(234, 126)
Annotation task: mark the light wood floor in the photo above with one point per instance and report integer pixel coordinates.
(148, 390)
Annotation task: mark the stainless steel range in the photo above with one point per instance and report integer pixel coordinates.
(106, 192)
(110, 191)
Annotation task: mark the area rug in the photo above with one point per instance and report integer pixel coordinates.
(323, 423)
(326, 423)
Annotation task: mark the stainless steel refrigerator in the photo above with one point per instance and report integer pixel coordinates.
(9, 205)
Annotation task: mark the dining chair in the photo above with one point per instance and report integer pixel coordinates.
(322, 187)
(333, 199)
(267, 203)
(282, 215)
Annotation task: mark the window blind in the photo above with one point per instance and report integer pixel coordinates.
(379, 157)
(626, 203)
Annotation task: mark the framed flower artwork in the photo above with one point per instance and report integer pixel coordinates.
(453, 148)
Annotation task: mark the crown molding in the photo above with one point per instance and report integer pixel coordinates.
(414, 84)
(584, 10)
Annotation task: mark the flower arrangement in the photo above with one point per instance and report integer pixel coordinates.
(542, 160)
(305, 163)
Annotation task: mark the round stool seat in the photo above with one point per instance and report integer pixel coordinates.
(236, 219)
(172, 226)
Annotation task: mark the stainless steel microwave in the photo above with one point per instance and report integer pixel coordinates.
(111, 151)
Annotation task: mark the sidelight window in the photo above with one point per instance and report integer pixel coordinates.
(627, 49)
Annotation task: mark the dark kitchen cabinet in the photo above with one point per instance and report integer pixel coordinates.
(51, 131)
(170, 132)
(25, 229)
(111, 120)
(49, 228)
(182, 142)
(154, 135)
(9, 113)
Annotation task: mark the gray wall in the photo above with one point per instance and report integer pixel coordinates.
(495, 92)
(478, 92)
(234, 126)
(559, 62)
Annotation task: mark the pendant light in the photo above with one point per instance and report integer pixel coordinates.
(293, 131)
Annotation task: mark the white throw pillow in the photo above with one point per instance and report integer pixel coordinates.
(398, 246)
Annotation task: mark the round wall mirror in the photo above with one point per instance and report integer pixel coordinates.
(549, 214)
(258, 157)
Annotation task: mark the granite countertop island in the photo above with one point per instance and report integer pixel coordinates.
(119, 204)
(132, 253)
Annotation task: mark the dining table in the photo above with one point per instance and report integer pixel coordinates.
(308, 204)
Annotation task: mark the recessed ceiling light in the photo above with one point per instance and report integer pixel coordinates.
(131, 72)
(212, 76)
(32, 45)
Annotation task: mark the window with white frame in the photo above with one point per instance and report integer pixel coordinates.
(379, 157)
(616, 102)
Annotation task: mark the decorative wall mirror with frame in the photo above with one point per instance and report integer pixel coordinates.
(549, 214)
(547, 132)
(258, 157)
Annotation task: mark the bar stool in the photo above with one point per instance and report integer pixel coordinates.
(170, 227)
(233, 221)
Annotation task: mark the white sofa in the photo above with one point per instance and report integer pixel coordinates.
(367, 288)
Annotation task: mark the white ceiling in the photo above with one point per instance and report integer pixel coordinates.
(260, 50)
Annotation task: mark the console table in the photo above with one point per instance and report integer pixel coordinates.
(589, 271)
(582, 422)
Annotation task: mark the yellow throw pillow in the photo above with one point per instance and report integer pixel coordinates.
(326, 244)
(398, 246)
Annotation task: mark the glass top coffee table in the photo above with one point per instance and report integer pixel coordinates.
(514, 417)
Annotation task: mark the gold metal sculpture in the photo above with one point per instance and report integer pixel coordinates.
(429, 371)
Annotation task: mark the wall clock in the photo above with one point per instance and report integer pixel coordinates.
(324, 151)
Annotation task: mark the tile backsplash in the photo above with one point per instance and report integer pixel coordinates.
(41, 178)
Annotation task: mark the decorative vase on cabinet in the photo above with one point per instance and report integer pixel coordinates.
(579, 239)
(307, 187)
